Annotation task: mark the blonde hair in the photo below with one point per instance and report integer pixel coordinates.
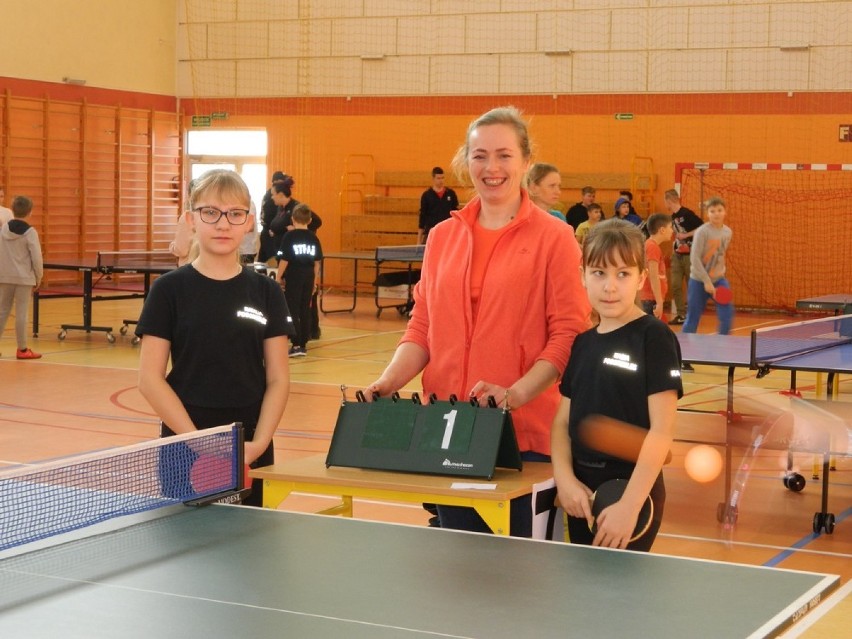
(610, 240)
(194, 249)
(672, 195)
(302, 213)
(507, 115)
(539, 171)
(714, 201)
(222, 182)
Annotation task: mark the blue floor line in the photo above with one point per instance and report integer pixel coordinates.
(804, 541)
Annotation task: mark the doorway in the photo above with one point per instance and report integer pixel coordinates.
(240, 150)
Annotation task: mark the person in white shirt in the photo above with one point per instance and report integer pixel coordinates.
(5, 214)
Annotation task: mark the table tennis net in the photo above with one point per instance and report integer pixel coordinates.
(57, 497)
(776, 343)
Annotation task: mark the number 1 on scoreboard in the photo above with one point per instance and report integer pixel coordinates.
(446, 428)
(450, 418)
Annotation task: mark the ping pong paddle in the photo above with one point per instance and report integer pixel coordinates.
(209, 473)
(723, 295)
(613, 437)
(610, 492)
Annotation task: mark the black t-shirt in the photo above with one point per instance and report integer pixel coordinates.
(684, 221)
(435, 208)
(613, 374)
(300, 248)
(216, 329)
(268, 209)
(577, 214)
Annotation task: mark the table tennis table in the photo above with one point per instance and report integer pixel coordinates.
(224, 570)
(821, 346)
(104, 265)
(406, 255)
(837, 303)
(144, 541)
(833, 358)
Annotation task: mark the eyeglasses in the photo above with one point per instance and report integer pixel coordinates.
(211, 215)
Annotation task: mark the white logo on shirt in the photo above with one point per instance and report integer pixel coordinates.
(305, 249)
(253, 314)
(620, 360)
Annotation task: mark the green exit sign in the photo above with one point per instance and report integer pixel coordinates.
(202, 120)
(623, 116)
(219, 115)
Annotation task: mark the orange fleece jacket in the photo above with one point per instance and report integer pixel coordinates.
(533, 305)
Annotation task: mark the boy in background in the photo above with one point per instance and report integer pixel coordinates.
(685, 223)
(579, 213)
(623, 211)
(653, 293)
(595, 215)
(707, 268)
(436, 203)
(21, 270)
(298, 274)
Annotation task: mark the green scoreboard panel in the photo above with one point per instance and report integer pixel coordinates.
(440, 438)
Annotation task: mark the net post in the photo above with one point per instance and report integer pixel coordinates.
(240, 457)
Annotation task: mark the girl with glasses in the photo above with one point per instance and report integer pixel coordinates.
(224, 327)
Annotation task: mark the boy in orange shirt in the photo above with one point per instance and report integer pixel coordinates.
(656, 285)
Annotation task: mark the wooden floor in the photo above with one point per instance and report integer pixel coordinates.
(82, 396)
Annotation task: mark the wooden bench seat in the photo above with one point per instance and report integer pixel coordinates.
(391, 204)
(419, 179)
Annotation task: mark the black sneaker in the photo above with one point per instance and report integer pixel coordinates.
(677, 320)
(687, 367)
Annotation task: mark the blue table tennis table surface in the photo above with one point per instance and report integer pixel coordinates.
(735, 350)
(716, 350)
(223, 571)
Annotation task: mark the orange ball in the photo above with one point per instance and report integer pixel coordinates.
(703, 463)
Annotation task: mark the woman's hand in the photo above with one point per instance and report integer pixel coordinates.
(380, 387)
(482, 390)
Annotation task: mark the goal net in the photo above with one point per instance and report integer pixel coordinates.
(792, 226)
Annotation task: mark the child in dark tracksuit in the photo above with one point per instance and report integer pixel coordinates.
(298, 273)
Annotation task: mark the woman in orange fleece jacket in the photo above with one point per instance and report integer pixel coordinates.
(499, 301)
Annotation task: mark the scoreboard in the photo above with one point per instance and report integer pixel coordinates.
(439, 437)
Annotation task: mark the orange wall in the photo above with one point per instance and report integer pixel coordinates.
(311, 139)
(315, 139)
